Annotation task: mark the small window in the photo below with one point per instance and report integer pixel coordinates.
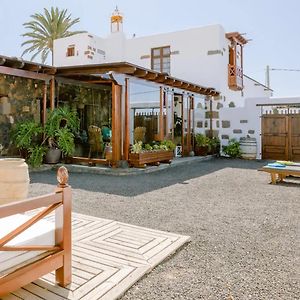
(71, 51)
(160, 59)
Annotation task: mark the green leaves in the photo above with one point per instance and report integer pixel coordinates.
(65, 141)
(233, 148)
(43, 29)
(25, 132)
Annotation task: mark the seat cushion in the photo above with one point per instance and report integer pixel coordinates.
(41, 233)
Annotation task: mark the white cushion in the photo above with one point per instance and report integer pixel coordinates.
(41, 233)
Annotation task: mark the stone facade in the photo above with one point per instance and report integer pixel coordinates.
(20, 99)
(225, 124)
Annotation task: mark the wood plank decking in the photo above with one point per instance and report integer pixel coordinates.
(108, 258)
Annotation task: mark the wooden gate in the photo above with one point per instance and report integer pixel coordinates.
(281, 137)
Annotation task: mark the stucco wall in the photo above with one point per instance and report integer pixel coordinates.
(240, 122)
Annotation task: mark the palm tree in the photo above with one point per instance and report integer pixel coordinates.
(44, 29)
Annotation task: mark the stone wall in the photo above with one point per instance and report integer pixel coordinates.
(20, 99)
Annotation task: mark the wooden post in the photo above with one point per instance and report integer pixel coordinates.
(161, 117)
(166, 97)
(52, 93)
(44, 103)
(127, 121)
(210, 117)
(63, 230)
(172, 116)
(188, 138)
(116, 123)
(193, 125)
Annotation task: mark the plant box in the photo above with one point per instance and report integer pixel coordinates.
(140, 160)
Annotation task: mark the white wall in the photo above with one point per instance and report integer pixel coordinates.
(198, 55)
(247, 119)
(84, 43)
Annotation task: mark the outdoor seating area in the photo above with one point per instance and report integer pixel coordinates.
(280, 170)
(102, 261)
(31, 247)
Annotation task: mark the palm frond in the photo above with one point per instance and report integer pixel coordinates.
(44, 28)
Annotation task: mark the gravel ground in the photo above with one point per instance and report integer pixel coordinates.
(245, 232)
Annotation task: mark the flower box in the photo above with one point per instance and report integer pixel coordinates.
(140, 160)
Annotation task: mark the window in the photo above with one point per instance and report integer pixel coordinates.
(71, 50)
(160, 59)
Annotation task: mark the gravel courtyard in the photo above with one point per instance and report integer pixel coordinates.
(245, 232)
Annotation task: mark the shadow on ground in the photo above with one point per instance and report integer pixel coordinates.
(133, 185)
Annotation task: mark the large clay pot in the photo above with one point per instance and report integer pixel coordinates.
(14, 180)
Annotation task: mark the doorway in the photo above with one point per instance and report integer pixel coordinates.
(281, 137)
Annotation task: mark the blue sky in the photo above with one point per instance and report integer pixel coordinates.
(273, 26)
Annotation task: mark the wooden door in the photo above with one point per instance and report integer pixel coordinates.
(294, 137)
(275, 137)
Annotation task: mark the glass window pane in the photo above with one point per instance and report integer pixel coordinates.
(166, 68)
(166, 59)
(156, 52)
(166, 51)
(156, 61)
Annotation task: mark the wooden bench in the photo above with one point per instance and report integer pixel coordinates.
(56, 257)
(279, 174)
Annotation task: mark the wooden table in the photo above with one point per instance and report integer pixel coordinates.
(279, 174)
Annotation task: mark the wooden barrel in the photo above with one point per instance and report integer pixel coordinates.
(14, 180)
(248, 147)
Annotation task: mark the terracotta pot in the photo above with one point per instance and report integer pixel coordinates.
(14, 180)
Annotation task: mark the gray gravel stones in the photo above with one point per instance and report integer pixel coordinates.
(245, 232)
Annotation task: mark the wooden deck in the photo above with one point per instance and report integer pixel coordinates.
(108, 258)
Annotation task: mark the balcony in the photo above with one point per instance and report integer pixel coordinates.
(235, 78)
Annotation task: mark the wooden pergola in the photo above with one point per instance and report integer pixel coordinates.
(104, 74)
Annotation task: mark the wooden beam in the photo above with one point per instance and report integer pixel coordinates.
(17, 64)
(116, 123)
(178, 84)
(188, 138)
(151, 76)
(52, 93)
(170, 81)
(96, 70)
(24, 74)
(161, 78)
(161, 117)
(185, 85)
(44, 104)
(127, 120)
(33, 68)
(140, 73)
(63, 233)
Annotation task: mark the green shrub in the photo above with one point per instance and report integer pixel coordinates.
(168, 144)
(233, 148)
(202, 140)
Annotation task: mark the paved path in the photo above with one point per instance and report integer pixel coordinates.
(132, 185)
(244, 232)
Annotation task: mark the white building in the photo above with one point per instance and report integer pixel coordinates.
(207, 56)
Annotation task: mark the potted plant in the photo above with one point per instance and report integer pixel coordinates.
(27, 137)
(202, 144)
(60, 129)
(214, 144)
(141, 154)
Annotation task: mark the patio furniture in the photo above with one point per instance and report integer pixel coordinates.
(95, 140)
(279, 171)
(31, 247)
